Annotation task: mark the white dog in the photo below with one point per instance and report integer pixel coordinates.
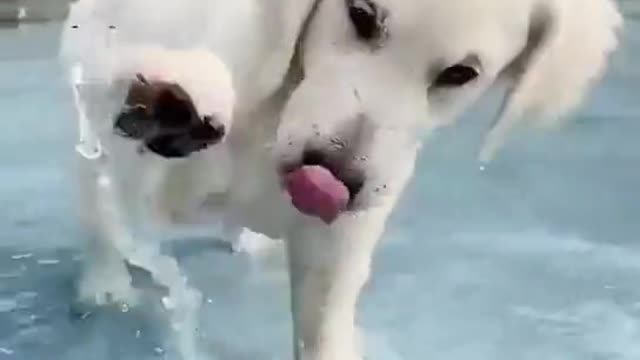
(330, 101)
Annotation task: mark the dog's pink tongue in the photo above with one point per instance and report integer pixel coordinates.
(316, 192)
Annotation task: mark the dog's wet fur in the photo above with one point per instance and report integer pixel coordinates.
(244, 92)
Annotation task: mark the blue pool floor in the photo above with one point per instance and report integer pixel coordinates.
(538, 257)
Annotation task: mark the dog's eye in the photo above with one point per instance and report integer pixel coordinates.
(455, 76)
(368, 19)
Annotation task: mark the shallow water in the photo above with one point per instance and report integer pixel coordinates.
(535, 258)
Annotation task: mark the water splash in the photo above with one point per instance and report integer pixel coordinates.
(182, 303)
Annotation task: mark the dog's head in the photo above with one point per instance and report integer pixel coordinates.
(380, 74)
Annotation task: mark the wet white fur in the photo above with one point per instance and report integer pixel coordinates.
(275, 117)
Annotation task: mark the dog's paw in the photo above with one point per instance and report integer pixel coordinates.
(344, 343)
(107, 287)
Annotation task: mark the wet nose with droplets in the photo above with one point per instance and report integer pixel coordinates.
(164, 117)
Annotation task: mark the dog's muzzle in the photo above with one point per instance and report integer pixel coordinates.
(323, 184)
(163, 116)
(327, 177)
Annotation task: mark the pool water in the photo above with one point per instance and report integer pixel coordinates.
(537, 257)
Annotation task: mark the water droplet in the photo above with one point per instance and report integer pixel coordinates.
(124, 308)
(104, 180)
(48, 262)
(21, 256)
(301, 345)
(337, 143)
(168, 303)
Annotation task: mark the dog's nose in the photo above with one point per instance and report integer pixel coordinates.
(210, 130)
(133, 122)
(218, 130)
(164, 117)
(152, 107)
(172, 144)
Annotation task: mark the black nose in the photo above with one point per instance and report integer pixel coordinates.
(174, 109)
(164, 117)
(216, 127)
(155, 107)
(172, 144)
(210, 130)
(133, 122)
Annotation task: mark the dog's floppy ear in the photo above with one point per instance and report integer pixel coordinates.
(567, 50)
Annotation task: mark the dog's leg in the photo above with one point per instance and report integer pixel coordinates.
(330, 264)
(106, 278)
(328, 268)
